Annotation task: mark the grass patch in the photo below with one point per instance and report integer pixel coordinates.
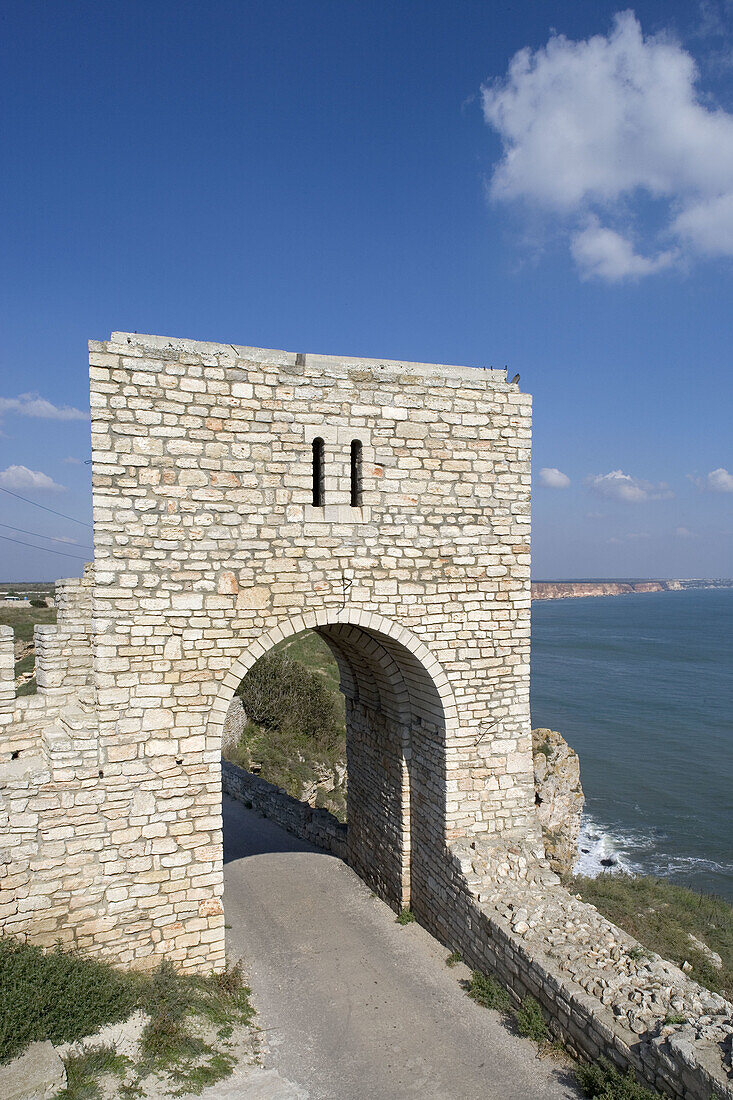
(602, 1081)
(405, 916)
(83, 1071)
(454, 958)
(662, 916)
(194, 1079)
(172, 1000)
(486, 991)
(24, 617)
(310, 650)
(25, 664)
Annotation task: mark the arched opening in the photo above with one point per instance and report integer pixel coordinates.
(319, 473)
(397, 704)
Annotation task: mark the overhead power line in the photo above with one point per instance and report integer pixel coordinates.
(47, 549)
(45, 509)
(38, 535)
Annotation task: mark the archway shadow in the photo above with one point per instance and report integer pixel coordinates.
(246, 834)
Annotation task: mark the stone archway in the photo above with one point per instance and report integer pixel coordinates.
(399, 708)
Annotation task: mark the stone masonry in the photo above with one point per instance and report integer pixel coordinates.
(210, 549)
(242, 496)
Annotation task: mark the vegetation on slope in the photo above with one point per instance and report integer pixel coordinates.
(62, 996)
(663, 917)
(295, 733)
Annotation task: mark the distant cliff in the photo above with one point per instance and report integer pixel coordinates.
(564, 590)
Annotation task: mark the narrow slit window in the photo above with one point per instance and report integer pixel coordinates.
(356, 473)
(318, 473)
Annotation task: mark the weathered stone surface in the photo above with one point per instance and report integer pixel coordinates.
(558, 797)
(38, 1074)
(234, 725)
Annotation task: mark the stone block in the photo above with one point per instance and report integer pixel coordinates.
(38, 1074)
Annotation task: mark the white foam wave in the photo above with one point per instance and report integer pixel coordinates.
(601, 850)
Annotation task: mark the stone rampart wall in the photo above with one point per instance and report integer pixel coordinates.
(317, 826)
(603, 993)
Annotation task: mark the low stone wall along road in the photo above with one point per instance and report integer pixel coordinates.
(356, 1007)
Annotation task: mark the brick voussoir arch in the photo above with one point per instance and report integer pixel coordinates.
(370, 622)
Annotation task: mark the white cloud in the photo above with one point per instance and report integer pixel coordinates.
(633, 536)
(617, 485)
(552, 478)
(708, 225)
(588, 127)
(684, 533)
(32, 404)
(603, 253)
(20, 477)
(71, 461)
(717, 481)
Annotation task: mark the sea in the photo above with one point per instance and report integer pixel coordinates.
(641, 686)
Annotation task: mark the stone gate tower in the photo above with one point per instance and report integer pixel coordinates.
(241, 496)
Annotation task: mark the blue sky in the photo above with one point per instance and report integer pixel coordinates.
(394, 180)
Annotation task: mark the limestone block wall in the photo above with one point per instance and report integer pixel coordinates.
(207, 542)
(52, 835)
(604, 994)
(64, 651)
(377, 803)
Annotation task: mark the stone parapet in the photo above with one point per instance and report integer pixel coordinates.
(7, 672)
(603, 992)
(317, 826)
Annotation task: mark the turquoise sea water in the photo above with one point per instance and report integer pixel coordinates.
(642, 688)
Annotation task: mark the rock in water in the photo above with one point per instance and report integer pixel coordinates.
(558, 796)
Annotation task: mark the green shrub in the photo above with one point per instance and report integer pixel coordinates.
(57, 995)
(38, 603)
(602, 1081)
(279, 693)
(295, 731)
(530, 1021)
(454, 958)
(405, 916)
(486, 991)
